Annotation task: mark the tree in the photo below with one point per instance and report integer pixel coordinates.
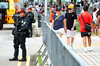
(84, 2)
(74, 5)
(51, 1)
(59, 3)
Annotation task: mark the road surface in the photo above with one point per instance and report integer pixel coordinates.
(6, 47)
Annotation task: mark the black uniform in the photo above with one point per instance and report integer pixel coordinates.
(20, 36)
(31, 18)
(16, 18)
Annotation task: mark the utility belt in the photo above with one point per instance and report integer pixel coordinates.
(27, 33)
(20, 33)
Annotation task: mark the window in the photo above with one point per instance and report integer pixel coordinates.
(4, 5)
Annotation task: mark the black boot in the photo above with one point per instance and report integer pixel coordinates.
(23, 59)
(13, 59)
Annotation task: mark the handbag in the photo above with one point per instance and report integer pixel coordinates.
(87, 26)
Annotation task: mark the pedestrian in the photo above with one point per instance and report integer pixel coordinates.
(70, 19)
(39, 16)
(67, 4)
(33, 9)
(95, 20)
(84, 19)
(41, 10)
(82, 9)
(52, 12)
(58, 23)
(16, 16)
(31, 19)
(20, 36)
(63, 7)
(96, 4)
(80, 5)
(98, 20)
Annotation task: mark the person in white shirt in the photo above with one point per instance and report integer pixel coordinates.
(82, 9)
(96, 4)
(95, 19)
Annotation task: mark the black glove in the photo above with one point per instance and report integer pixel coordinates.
(14, 31)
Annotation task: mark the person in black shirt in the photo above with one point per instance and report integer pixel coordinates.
(31, 18)
(67, 7)
(20, 36)
(70, 19)
(16, 16)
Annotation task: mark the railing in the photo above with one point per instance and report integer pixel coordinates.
(58, 51)
(78, 10)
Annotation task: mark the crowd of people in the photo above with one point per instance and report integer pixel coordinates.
(66, 24)
(62, 24)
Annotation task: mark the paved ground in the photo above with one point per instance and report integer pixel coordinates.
(91, 58)
(6, 47)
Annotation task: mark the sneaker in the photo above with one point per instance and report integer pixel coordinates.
(85, 50)
(71, 46)
(90, 49)
(13, 59)
(23, 59)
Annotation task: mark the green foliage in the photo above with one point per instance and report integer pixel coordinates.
(40, 59)
(78, 26)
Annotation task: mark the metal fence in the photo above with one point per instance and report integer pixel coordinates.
(79, 9)
(58, 52)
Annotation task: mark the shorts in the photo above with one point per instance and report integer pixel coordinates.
(61, 31)
(95, 21)
(70, 33)
(83, 34)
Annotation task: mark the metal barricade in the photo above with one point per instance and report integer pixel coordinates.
(58, 52)
(78, 10)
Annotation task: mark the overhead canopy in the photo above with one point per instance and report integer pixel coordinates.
(3, 0)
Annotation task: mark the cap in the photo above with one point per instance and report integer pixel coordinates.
(58, 9)
(70, 6)
(22, 11)
(29, 8)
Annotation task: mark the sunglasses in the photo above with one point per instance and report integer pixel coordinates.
(69, 9)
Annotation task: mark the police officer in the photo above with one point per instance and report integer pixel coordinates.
(20, 36)
(39, 16)
(31, 19)
(16, 17)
